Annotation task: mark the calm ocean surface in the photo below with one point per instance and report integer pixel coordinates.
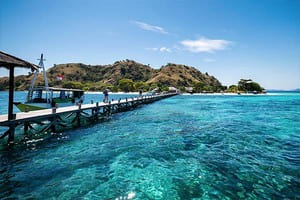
(184, 147)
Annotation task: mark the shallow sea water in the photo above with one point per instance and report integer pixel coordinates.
(184, 147)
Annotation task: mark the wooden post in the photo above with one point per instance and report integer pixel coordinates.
(53, 129)
(78, 119)
(109, 108)
(11, 134)
(78, 114)
(11, 93)
(97, 111)
(26, 126)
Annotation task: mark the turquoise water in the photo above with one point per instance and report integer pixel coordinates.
(184, 147)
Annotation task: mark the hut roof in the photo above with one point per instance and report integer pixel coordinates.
(8, 61)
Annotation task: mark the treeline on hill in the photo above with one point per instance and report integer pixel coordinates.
(124, 85)
(126, 75)
(245, 85)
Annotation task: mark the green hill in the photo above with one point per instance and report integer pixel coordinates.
(137, 75)
(182, 75)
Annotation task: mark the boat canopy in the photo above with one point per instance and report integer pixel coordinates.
(56, 95)
(59, 89)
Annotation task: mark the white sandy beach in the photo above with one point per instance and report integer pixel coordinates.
(224, 94)
(93, 92)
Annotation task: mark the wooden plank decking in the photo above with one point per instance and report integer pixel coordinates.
(47, 113)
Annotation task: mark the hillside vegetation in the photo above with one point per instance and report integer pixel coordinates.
(126, 75)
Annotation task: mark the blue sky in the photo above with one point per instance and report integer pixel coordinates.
(255, 39)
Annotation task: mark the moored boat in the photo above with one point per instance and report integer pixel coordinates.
(39, 98)
(43, 98)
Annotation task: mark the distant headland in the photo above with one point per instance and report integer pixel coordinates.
(130, 76)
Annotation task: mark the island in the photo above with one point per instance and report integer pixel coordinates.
(131, 76)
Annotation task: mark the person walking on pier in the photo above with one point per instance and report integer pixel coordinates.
(105, 92)
(140, 92)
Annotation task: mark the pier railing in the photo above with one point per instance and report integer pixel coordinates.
(71, 116)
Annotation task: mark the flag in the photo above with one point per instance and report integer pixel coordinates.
(59, 77)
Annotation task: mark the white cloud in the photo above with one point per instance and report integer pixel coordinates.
(149, 27)
(205, 45)
(152, 49)
(208, 60)
(165, 49)
(161, 49)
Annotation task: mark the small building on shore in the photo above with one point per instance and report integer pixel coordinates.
(173, 89)
(189, 89)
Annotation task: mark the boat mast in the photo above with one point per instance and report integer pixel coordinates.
(30, 93)
(41, 65)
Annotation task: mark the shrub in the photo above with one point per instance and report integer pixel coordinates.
(126, 85)
(73, 85)
(199, 87)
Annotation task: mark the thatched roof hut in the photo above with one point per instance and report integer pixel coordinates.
(10, 62)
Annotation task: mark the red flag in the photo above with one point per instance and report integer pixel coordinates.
(59, 77)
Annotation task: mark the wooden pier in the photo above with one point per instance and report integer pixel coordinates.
(51, 119)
